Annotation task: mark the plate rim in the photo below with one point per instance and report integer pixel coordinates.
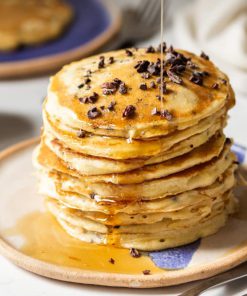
(52, 62)
(83, 276)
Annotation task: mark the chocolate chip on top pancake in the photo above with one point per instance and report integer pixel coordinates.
(31, 22)
(119, 165)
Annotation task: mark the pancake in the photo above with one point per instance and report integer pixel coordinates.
(161, 235)
(32, 22)
(122, 162)
(188, 102)
(226, 181)
(199, 176)
(119, 148)
(47, 159)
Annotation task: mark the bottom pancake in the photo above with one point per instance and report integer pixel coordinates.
(164, 234)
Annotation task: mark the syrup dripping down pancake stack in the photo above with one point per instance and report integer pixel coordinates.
(119, 167)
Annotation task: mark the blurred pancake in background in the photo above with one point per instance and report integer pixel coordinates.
(32, 22)
(79, 29)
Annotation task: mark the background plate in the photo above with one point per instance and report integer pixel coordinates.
(94, 24)
(18, 198)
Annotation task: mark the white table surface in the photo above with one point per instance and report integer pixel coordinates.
(20, 118)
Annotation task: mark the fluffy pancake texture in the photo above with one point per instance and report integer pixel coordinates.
(32, 21)
(121, 165)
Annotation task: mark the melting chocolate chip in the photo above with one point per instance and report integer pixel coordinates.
(90, 99)
(135, 253)
(197, 78)
(204, 56)
(155, 111)
(129, 52)
(152, 84)
(129, 111)
(150, 49)
(174, 77)
(93, 113)
(101, 63)
(111, 60)
(166, 114)
(112, 105)
(81, 134)
(146, 272)
(143, 86)
(215, 86)
(111, 260)
(142, 66)
(123, 88)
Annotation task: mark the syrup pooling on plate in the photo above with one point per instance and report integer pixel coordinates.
(44, 239)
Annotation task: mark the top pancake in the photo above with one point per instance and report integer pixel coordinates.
(188, 102)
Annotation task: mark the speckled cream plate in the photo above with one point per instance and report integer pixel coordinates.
(33, 240)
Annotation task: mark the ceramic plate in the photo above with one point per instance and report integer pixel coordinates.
(21, 209)
(95, 23)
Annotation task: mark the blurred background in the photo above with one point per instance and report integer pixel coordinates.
(36, 43)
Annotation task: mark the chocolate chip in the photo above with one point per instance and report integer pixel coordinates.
(111, 260)
(158, 80)
(92, 195)
(87, 80)
(93, 113)
(81, 134)
(117, 81)
(123, 88)
(154, 68)
(142, 66)
(191, 65)
(155, 111)
(102, 108)
(143, 86)
(81, 85)
(101, 63)
(129, 111)
(166, 114)
(215, 86)
(150, 49)
(146, 75)
(174, 77)
(158, 97)
(178, 69)
(111, 60)
(152, 84)
(196, 78)
(146, 272)
(112, 105)
(129, 53)
(109, 88)
(224, 81)
(135, 253)
(90, 99)
(161, 46)
(228, 141)
(204, 56)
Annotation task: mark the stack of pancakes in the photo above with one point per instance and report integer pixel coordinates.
(128, 160)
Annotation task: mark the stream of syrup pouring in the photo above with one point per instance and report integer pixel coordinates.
(162, 53)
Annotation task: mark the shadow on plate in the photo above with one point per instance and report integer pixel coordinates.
(14, 128)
